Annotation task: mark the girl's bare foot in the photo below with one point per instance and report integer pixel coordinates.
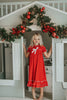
(34, 99)
(40, 98)
(33, 93)
(41, 94)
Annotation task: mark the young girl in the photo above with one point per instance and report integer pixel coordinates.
(37, 74)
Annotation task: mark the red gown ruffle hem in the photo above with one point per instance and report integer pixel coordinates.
(37, 74)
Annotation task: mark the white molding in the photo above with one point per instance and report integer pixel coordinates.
(53, 65)
(7, 82)
(64, 85)
(16, 60)
(64, 41)
(59, 62)
(22, 65)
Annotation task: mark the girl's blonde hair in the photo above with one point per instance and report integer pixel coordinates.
(40, 37)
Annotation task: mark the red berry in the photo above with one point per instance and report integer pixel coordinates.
(13, 29)
(44, 26)
(18, 32)
(57, 36)
(24, 28)
(23, 31)
(43, 8)
(53, 29)
(45, 30)
(21, 26)
(54, 34)
(13, 32)
(48, 26)
(29, 13)
(28, 16)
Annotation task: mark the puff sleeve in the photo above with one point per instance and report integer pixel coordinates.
(28, 50)
(43, 49)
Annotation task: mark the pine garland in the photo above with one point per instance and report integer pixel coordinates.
(27, 19)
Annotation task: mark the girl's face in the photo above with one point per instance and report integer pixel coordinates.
(36, 40)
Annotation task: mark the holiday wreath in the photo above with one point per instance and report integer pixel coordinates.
(27, 19)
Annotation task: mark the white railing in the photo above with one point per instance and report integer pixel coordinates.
(59, 4)
(8, 7)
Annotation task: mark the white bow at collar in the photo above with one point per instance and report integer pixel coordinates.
(34, 50)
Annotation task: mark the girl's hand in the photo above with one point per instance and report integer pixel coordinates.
(47, 55)
(51, 45)
(26, 53)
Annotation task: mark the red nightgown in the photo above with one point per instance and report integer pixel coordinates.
(37, 74)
